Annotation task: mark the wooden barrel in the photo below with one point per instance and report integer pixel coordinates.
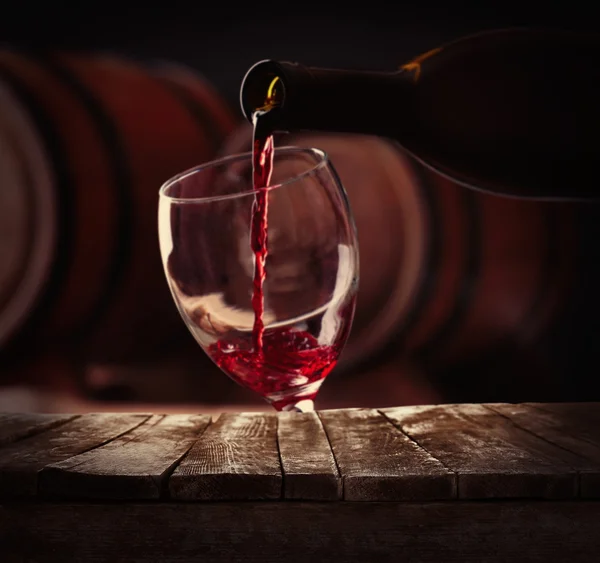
(86, 140)
(445, 272)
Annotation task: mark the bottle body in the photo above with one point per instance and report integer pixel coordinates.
(515, 112)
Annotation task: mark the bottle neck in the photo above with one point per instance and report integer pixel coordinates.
(319, 99)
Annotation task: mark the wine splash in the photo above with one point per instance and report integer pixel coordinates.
(290, 368)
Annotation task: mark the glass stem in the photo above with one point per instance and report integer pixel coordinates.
(305, 405)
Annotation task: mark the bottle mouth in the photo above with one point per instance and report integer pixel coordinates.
(263, 89)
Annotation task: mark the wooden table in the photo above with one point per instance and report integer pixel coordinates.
(468, 483)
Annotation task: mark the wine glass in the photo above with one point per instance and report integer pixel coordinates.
(311, 271)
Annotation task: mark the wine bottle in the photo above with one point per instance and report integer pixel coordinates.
(515, 112)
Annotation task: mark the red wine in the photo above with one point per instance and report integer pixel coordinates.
(262, 169)
(290, 368)
(283, 365)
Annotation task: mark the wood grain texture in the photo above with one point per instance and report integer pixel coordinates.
(309, 469)
(378, 462)
(585, 417)
(556, 429)
(236, 459)
(135, 465)
(16, 426)
(20, 462)
(296, 532)
(549, 451)
(491, 457)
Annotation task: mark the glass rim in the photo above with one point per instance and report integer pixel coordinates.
(322, 156)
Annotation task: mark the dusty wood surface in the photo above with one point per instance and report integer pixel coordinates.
(559, 429)
(433, 532)
(309, 468)
(491, 459)
(21, 461)
(237, 458)
(135, 465)
(583, 418)
(270, 487)
(378, 462)
(424, 453)
(15, 426)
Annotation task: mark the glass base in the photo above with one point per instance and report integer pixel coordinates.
(299, 399)
(305, 405)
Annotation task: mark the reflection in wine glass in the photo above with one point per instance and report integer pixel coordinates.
(311, 270)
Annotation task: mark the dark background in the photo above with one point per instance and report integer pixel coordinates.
(221, 40)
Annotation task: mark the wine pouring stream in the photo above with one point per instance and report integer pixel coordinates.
(262, 169)
(312, 360)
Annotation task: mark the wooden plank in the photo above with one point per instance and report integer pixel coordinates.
(378, 462)
(16, 426)
(236, 458)
(21, 461)
(309, 469)
(296, 532)
(135, 465)
(555, 428)
(492, 458)
(585, 417)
